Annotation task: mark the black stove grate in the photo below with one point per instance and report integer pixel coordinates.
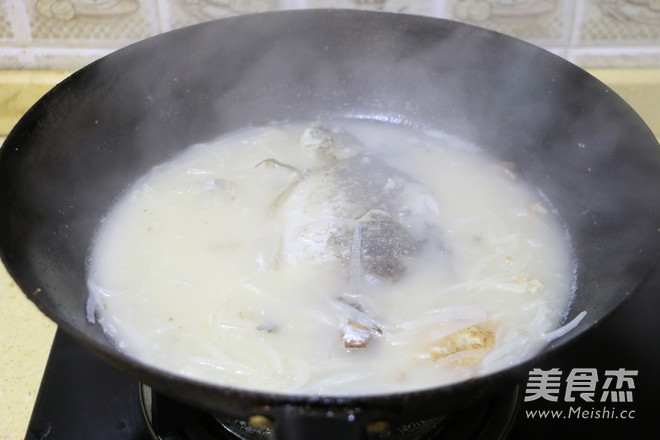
(168, 419)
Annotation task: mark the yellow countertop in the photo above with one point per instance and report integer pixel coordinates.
(25, 339)
(26, 335)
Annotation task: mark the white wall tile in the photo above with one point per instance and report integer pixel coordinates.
(80, 23)
(65, 33)
(619, 23)
(543, 22)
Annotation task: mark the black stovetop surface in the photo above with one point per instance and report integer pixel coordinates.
(82, 397)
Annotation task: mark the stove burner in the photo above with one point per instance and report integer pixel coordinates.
(168, 419)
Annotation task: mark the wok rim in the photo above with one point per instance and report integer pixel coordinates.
(154, 376)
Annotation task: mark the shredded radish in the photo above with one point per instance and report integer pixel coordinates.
(561, 331)
(90, 308)
(356, 272)
(446, 315)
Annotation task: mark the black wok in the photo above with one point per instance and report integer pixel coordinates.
(568, 134)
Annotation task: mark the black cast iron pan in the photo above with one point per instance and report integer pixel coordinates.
(71, 155)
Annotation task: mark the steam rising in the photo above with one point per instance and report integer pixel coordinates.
(564, 132)
(526, 106)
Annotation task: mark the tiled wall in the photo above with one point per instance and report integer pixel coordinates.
(67, 34)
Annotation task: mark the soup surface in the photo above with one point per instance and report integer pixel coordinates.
(344, 258)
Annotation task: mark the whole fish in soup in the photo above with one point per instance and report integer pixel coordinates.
(334, 258)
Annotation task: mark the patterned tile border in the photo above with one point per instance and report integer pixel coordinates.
(67, 34)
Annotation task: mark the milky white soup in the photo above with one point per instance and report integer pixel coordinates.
(350, 258)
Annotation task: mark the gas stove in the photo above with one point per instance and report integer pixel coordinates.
(605, 385)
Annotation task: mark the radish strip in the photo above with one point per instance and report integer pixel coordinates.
(561, 331)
